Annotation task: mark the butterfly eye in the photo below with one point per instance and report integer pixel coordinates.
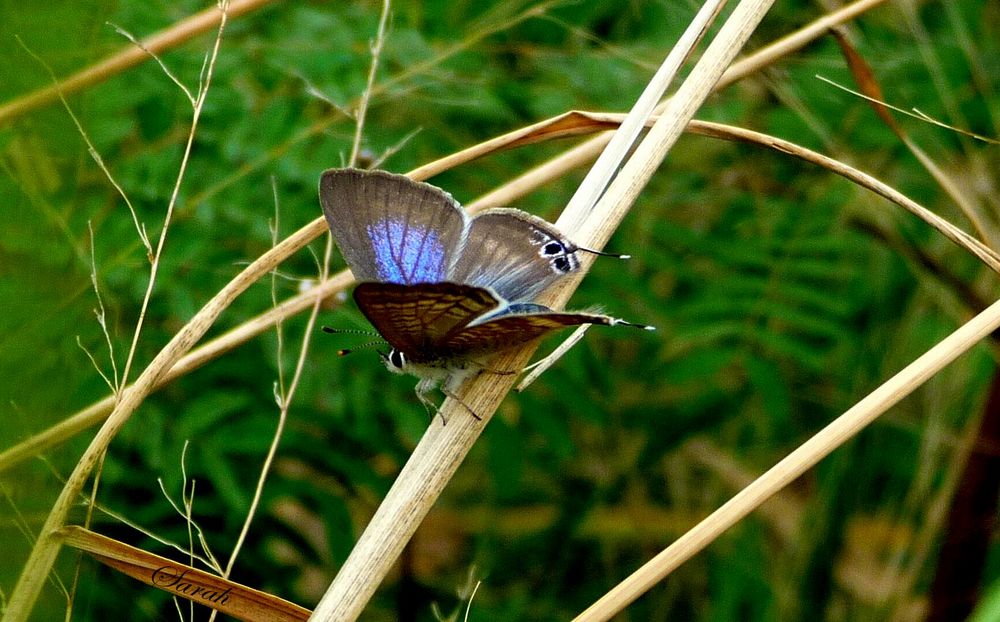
(396, 359)
(561, 264)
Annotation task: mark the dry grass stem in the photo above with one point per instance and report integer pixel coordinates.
(622, 140)
(442, 448)
(197, 105)
(985, 254)
(914, 113)
(796, 463)
(102, 321)
(486, 392)
(153, 55)
(362, 109)
(129, 57)
(505, 195)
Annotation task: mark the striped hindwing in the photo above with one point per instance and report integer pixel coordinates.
(417, 319)
(440, 322)
(514, 329)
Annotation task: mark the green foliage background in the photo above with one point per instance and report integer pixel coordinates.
(782, 296)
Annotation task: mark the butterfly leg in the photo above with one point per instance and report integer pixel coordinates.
(423, 388)
(448, 393)
(451, 385)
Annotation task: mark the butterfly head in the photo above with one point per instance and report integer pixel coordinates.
(431, 373)
(394, 361)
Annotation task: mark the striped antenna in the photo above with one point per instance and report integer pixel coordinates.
(346, 351)
(348, 331)
(354, 331)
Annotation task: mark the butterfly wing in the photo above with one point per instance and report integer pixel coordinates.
(417, 319)
(391, 228)
(506, 330)
(514, 253)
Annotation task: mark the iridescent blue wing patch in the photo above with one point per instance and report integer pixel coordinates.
(443, 289)
(390, 228)
(406, 253)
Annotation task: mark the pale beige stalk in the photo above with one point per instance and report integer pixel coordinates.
(796, 463)
(442, 448)
(448, 443)
(127, 58)
(505, 195)
(35, 571)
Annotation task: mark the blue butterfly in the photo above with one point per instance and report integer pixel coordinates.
(443, 288)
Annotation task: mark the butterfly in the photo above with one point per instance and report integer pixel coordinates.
(442, 288)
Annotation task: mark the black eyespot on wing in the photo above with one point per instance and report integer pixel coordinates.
(553, 248)
(561, 264)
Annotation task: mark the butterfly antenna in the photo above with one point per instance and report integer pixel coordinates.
(602, 253)
(348, 331)
(618, 322)
(346, 351)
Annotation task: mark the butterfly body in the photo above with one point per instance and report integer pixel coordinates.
(445, 290)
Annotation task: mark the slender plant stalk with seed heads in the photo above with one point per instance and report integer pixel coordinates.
(602, 201)
(589, 221)
(508, 194)
(43, 555)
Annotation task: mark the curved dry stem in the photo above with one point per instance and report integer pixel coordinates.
(39, 563)
(505, 195)
(957, 235)
(795, 464)
(483, 395)
(442, 448)
(129, 57)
